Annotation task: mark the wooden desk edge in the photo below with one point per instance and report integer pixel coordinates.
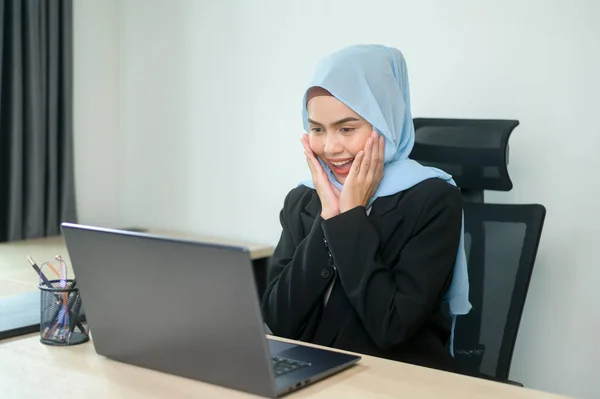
(256, 250)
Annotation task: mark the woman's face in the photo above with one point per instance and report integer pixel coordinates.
(336, 133)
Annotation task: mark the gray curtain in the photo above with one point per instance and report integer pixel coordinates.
(36, 123)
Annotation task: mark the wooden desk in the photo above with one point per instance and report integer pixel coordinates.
(29, 369)
(17, 276)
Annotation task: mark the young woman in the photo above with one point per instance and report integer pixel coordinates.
(372, 245)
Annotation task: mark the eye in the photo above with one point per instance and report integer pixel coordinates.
(347, 129)
(316, 129)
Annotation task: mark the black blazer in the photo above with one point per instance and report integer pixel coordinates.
(391, 271)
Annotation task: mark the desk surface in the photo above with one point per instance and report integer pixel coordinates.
(17, 276)
(29, 369)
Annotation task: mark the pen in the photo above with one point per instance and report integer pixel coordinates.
(63, 271)
(76, 308)
(74, 318)
(39, 272)
(46, 283)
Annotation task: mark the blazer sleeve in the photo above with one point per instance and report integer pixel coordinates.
(394, 300)
(299, 273)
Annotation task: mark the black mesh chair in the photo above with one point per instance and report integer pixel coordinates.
(501, 239)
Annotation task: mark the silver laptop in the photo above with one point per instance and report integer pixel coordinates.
(186, 308)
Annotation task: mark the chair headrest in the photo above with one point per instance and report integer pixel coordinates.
(473, 151)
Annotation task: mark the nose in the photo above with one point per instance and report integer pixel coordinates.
(332, 145)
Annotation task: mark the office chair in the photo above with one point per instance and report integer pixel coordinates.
(501, 240)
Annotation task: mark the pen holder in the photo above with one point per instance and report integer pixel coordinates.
(62, 319)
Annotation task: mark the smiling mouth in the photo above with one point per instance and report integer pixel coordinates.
(341, 167)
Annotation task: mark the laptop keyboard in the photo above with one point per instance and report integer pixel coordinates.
(283, 366)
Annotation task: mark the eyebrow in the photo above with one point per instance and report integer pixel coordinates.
(340, 122)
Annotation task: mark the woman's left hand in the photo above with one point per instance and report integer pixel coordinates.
(365, 174)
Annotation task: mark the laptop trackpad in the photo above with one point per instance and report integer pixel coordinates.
(276, 347)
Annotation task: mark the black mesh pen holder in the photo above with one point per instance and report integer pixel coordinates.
(62, 319)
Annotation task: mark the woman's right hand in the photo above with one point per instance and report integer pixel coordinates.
(328, 194)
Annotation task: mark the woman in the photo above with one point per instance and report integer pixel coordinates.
(372, 245)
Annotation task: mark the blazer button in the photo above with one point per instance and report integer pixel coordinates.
(325, 273)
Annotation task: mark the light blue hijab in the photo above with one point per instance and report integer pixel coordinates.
(372, 80)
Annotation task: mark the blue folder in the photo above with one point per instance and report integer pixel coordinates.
(19, 314)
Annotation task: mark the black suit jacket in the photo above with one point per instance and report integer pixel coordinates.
(390, 270)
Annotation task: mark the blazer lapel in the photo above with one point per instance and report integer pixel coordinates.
(310, 212)
(384, 220)
(384, 205)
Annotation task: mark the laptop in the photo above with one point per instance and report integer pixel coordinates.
(186, 308)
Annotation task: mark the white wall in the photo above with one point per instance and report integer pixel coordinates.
(209, 110)
(97, 142)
